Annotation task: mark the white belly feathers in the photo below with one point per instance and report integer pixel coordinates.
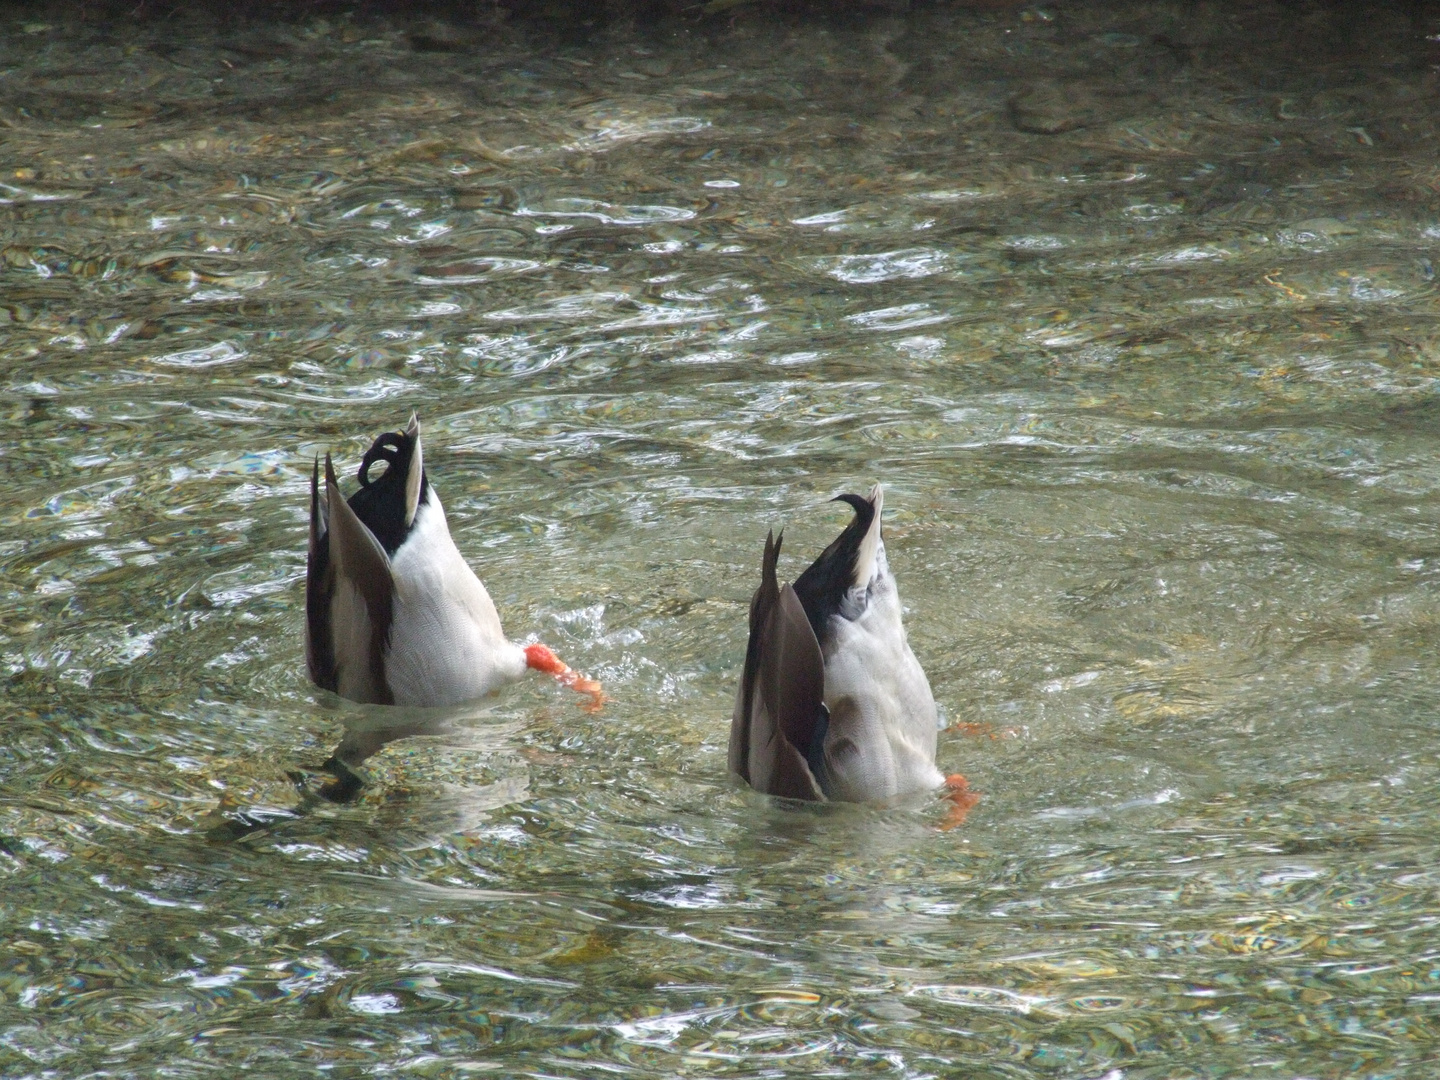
(446, 642)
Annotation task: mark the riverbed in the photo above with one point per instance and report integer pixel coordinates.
(1130, 307)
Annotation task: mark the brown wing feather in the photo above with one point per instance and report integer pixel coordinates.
(360, 572)
(782, 692)
(760, 606)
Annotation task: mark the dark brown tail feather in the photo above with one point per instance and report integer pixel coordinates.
(782, 692)
(760, 605)
(319, 641)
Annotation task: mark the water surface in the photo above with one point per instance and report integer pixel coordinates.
(1131, 307)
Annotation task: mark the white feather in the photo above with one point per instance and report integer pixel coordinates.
(416, 476)
(446, 642)
(878, 696)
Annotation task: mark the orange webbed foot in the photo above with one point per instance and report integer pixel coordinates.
(541, 658)
(962, 800)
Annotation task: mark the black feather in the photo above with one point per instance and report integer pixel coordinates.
(319, 642)
(380, 504)
(822, 587)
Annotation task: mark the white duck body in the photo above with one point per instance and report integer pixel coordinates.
(446, 642)
(883, 724)
(833, 704)
(394, 614)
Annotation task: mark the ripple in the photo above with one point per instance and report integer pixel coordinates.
(904, 317)
(473, 271)
(222, 352)
(609, 130)
(983, 998)
(886, 266)
(609, 213)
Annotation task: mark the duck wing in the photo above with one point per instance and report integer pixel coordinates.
(349, 580)
(319, 583)
(780, 720)
(357, 595)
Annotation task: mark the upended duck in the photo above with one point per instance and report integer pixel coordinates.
(394, 614)
(833, 705)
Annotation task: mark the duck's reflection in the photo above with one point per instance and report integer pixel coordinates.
(368, 730)
(465, 732)
(365, 736)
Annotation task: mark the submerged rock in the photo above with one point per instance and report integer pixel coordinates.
(437, 36)
(1049, 108)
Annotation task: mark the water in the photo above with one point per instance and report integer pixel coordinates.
(1131, 307)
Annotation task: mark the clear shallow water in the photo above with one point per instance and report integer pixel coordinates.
(1132, 309)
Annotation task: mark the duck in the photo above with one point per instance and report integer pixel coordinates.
(832, 704)
(394, 615)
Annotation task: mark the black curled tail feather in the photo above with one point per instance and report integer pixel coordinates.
(380, 504)
(822, 587)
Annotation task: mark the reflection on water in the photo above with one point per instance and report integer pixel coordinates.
(1131, 306)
